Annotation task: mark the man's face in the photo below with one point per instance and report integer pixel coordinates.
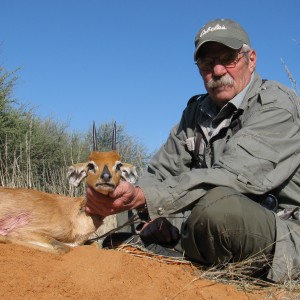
(225, 71)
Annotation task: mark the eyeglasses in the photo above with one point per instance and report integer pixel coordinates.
(207, 63)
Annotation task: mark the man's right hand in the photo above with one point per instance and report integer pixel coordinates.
(159, 231)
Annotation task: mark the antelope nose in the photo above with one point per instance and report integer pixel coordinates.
(105, 176)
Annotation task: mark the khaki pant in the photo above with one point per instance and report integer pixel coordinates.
(226, 226)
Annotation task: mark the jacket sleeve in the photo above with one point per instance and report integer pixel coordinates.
(257, 159)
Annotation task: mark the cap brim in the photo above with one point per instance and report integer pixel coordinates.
(229, 42)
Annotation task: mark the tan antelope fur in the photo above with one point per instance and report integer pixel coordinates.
(53, 222)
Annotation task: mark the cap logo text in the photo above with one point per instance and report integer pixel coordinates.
(210, 29)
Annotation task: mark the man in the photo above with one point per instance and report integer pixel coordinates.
(226, 184)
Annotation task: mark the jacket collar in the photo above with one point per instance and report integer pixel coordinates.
(252, 90)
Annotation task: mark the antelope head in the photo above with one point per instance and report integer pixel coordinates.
(103, 172)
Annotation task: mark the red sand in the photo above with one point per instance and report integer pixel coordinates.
(90, 273)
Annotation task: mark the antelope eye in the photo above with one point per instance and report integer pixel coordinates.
(118, 166)
(91, 167)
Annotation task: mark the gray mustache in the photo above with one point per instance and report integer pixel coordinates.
(224, 80)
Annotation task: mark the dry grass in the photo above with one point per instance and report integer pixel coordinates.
(236, 274)
(291, 77)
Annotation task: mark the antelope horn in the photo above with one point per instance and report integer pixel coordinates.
(95, 148)
(114, 137)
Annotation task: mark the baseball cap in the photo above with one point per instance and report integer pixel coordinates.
(224, 31)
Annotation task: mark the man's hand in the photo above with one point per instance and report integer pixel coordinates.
(159, 231)
(124, 197)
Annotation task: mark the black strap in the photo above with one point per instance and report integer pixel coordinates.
(235, 125)
(195, 155)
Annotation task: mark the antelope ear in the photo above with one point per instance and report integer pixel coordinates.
(76, 173)
(128, 173)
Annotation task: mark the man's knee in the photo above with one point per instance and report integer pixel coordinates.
(219, 209)
(221, 226)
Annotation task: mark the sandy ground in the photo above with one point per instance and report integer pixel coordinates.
(87, 272)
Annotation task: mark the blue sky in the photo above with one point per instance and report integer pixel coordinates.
(130, 61)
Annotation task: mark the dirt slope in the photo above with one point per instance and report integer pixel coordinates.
(90, 273)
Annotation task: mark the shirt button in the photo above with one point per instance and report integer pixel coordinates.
(160, 211)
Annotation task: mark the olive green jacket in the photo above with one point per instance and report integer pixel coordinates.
(253, 147)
